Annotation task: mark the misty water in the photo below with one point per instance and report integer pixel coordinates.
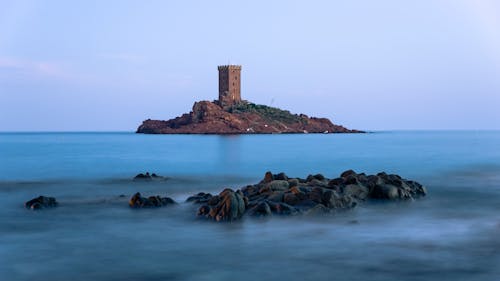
(452, 234)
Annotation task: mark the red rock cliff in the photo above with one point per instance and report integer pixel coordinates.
(244, 118)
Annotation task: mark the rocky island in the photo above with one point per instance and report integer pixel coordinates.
(232, 115)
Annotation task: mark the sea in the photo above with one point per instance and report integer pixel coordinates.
(451, 234)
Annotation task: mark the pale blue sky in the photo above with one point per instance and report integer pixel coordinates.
(374, 65)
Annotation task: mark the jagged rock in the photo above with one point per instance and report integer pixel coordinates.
(214, 200)
(149, 177)
(281, 195)
(293, 182)
(268, 177)
(142, 176)
(277, 185)
(276, 196)
(316, 194)
(230, 207)
(319, 209)
(316, 182)
(319, 177)
(336, 182)
(200, 198)
(384, 186)
(358, 191)
(281, 177)
(282, 208)
(291, 199)
(41, 202)
(260, 209)
(137, 201)
(203, 211)
(347, 173)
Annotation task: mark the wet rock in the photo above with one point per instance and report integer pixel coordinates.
(333, 200)
(41, 202)
(230, 207)
(319, 177)
(300, 190)
(268, 177)
(393, 187)
(261, 209)
(149, 177)
(317, 210)
(279, 194)
(137, 201)
(282, 208)
(293, 182)
(276, 196)
(200, 198)
(203, 211)
(281, 177)
(347, 173)
(291, 199)
(316, 194)
(352, 179)
(251, 190)
(214, 200)
(316, 182)
(277, 185)
(384, 191)
(359, 192)
(336, 182)
(142, 176)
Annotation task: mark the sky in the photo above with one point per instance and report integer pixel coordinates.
(371, 65)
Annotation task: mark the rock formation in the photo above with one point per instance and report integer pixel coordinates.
(278, 194)
(227, 206)
(242, 118)
(137, 201)
(41, 202)
(149, 177)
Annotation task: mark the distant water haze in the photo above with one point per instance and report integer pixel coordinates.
(451, 234)
(368, 65)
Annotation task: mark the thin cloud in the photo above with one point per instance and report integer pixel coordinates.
(38, 68)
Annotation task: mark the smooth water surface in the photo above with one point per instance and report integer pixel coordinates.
(452, 234)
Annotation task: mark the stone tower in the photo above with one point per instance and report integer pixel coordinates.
(229, 84)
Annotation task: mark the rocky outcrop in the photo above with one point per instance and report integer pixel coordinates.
(149, 177)
(137, 201)
(41, 202)
(280, 195)
(227, 206)
(243, 118)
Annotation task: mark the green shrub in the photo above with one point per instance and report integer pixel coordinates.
(267, 112)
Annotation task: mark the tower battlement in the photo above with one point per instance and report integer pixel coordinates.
(229, 84)
(225, 67)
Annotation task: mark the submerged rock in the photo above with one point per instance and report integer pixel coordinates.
(41, 202)
(149, 177)
(137, 201)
